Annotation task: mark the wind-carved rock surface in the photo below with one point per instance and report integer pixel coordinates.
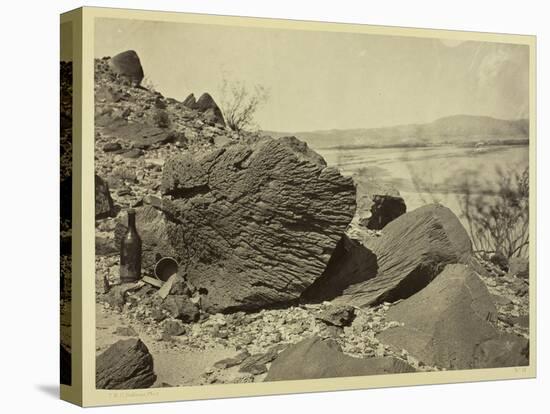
(411, 251)
(255, 224)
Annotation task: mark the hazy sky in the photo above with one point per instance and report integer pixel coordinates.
(320, 80)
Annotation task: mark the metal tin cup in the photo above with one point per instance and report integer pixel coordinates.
(166, 267)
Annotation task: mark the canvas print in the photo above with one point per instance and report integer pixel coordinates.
(279, 204)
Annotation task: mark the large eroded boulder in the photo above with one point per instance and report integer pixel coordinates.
(413, 249)
(127, 364)
(128, 65)
(255, 224)
(450, 324)
(314, 358)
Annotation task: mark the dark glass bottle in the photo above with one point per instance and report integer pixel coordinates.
(130, 252)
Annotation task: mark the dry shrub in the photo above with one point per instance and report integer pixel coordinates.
(498, 219)
(239, 104)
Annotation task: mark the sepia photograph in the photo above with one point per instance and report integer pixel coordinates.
(276, 204)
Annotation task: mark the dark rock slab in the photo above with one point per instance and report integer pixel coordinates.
(127, 364)
(256, 364)
(449, 324)
(314, 358)
(255, 224)
(377, 203)
(104, 206)
(141, 135)
(128, 65)
(413, 249)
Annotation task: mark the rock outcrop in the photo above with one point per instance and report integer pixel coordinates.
(449, 324)
(128, 65)
(127, 364)
(412, 250)
(377, 204)
(254, 224)
(104, 206)
(190, 101)
(207, 105)
(314, 358)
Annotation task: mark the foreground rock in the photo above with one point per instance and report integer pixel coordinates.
(127, 364)
(314, 358)
(449, 324)
(412, 250)
(128, 65)
(254, 224)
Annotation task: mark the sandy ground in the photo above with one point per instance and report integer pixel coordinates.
(172, 366)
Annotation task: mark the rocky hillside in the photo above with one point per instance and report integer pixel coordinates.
(286, 268)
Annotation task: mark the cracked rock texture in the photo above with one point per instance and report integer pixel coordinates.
(255, 223)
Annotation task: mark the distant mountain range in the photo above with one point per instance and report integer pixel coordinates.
(458, 129)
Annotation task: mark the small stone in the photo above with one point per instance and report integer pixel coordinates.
(133, 153)
(231, 362)
(174, 327)
(111, 147)
(124, 192)
(125, 331)
(340, 315)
